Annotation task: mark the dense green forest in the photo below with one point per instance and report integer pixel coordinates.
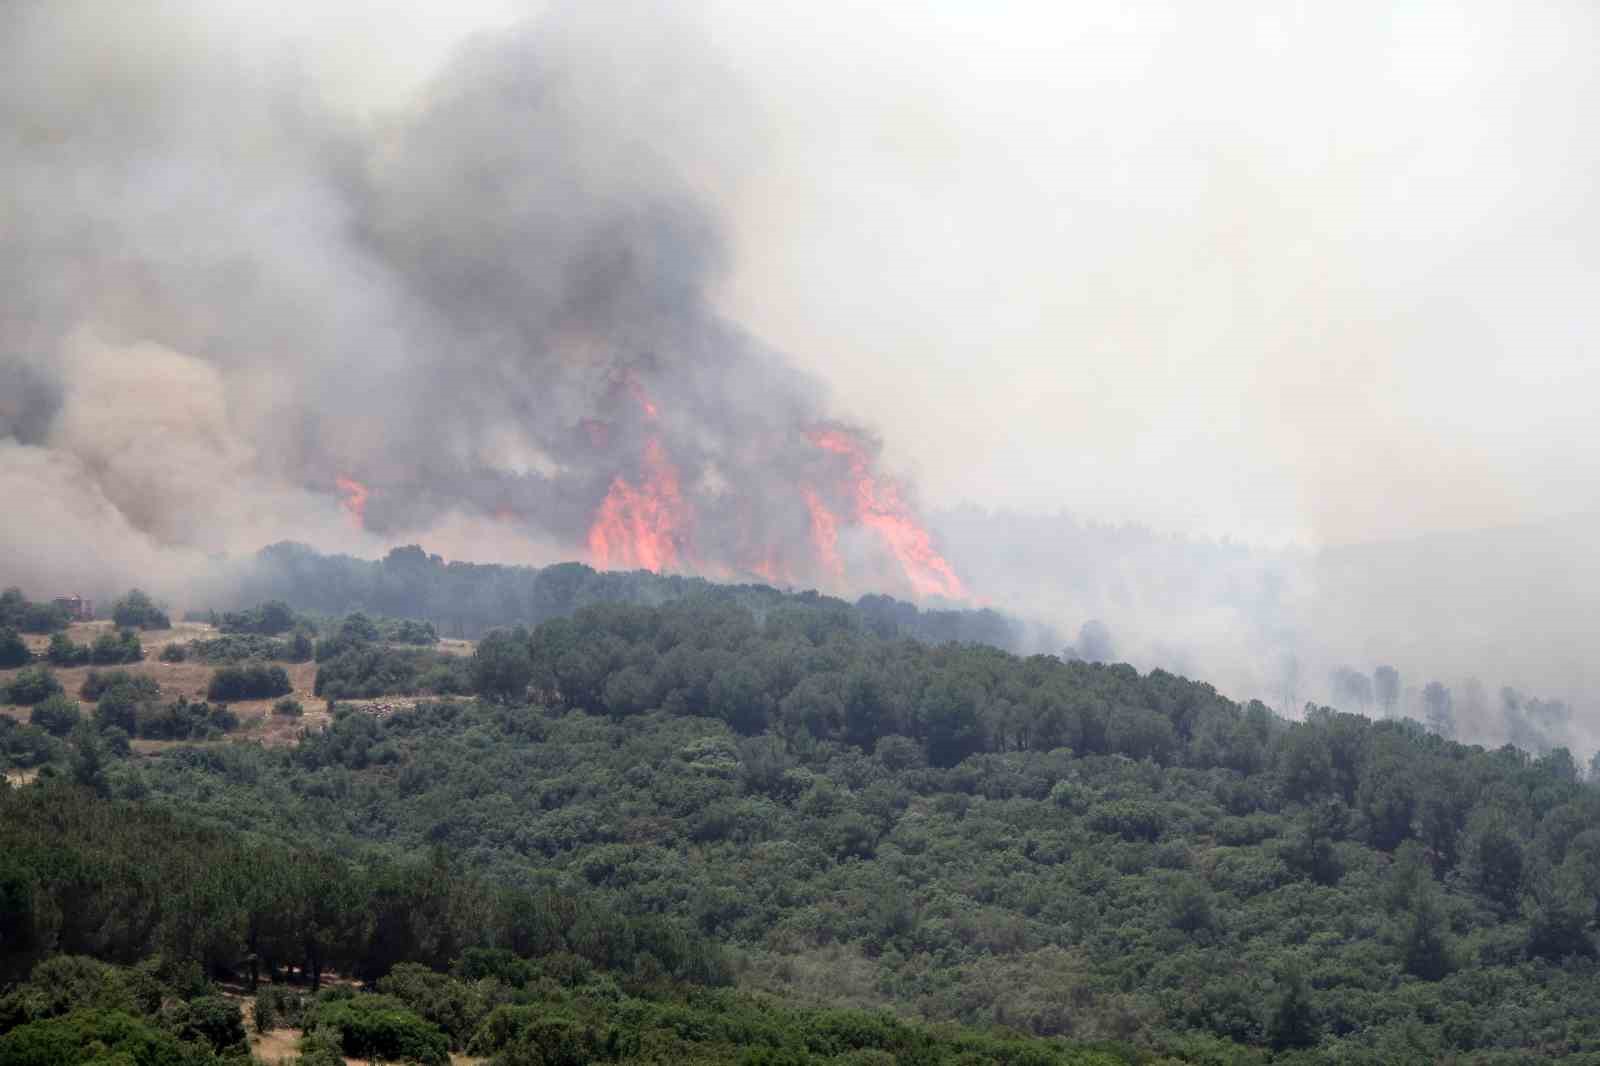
(726, 797)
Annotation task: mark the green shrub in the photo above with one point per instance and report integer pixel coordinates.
(35, 684)
(96, 1038)
(13, 649)
(97, 683)
(174, 653)
(64, 651)
(24, 746)
(288, 707)
(381, 1027)
(137, 610)
(253, 681)
(321, 1047)
(264, 1012)
(56, 715)
(17, 612)
(239, 647)
(120, 647)
(268, 619)
(369, 670)
(184, 720)
(118, 707)
(279, 1007)
(453, 1005)
(213, 1020)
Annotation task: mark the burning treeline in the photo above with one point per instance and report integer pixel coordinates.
(842, 524)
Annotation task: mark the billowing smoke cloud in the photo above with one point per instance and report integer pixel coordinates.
(232, 308)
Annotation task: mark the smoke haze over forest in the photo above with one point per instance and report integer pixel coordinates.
(1290, 310)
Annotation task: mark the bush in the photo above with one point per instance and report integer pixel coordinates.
(137, 610)
(120, 647)
(33, 685)
(380, 1027)
(97, 683)
(118, 708)
(453, 1005)
(265, 1012)
(93, 1036)
(43, 618)
(174, 653)
(502, 666)
(268, 619)
(289, 707)
(64, 651)
(408, 631)
(25, 745)
(320, 1047)
(13, 650)
(278, 1007)
(56, 715)
(365, 671)
(17, 612)
(254, 681)
(184, 720)
(213, 1020)
(301, 647)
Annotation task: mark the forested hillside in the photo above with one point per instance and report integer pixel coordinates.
(796, 800)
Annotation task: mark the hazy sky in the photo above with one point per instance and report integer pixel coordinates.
(1275, 271)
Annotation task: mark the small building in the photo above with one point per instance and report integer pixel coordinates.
(77, 608)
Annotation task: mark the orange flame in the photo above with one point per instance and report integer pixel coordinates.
(824, 534)
(646, 404)
(641, 527)
(879, 506)
(771, 571)
(354, 500)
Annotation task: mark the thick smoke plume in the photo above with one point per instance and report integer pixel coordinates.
(234, 314)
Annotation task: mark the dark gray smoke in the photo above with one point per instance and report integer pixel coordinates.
(488, 308)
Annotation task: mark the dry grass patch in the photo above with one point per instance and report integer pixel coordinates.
(190, 679)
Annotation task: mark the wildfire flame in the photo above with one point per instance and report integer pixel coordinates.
(642, 526)
(879, 506)
(353, 499)
(824, 535)
(646, 520)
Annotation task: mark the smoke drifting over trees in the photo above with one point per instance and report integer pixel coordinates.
(1365, 629)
